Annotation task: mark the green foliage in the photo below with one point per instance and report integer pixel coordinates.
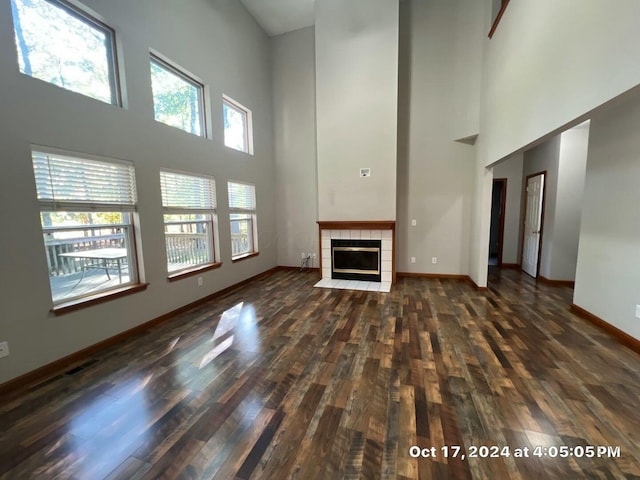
(176, 101)
(57, 46)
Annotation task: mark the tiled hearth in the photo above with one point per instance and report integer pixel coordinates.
(383, 230)
(354, 285)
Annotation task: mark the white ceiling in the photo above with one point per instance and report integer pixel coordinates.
(281, 16)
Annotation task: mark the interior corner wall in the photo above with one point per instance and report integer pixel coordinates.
(511, 169)
(357, 108)
(294, 126)
(228, 51)
(466, 52)
(572, 164)
(434, 172)
(608, 277)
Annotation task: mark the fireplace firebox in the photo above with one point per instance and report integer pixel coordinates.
(355, 260)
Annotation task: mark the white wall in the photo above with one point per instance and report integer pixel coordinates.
(545, 157)
(356, 98)
(572, 164)
(511, 169)
(548, 65)
(220, 43)
(544, 67)
(608, 277)
(434, 172)
(294, 125)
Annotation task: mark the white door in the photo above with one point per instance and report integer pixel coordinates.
(532, 224)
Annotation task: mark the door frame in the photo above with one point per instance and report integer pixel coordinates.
(503, 208)
(523, 217)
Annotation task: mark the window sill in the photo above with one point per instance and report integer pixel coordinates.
(78, 304)
(173, 277)
(244, 257)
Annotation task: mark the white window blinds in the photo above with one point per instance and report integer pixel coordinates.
(65, 182)
(182, 191)
(242, 196)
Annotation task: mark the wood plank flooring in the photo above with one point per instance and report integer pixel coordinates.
(281, 380)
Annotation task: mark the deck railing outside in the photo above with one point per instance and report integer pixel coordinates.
(241, 236)
(75, 239)
(187, 249)
(183, 249)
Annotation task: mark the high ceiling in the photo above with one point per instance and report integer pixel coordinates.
(281, 16)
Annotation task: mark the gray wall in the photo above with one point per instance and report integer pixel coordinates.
(217, 41)
(511, 169)
(545, 157)
(434, 172)
(564, 157)
(608, 277)
(572, 164)
(294, 126)
(357, 103)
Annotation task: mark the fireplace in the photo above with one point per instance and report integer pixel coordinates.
(356, 259)
(382, 232)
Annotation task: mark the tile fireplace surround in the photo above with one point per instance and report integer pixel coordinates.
(358, 230)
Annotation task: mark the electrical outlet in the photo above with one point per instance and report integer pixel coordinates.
(313, 255)
(414, 222)
(413, 259)
(303, 255)
(637, 311)
(4, 349)
(200, 281)
(434, 260)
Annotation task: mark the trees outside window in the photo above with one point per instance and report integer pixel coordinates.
(67, 47)
(177, 98)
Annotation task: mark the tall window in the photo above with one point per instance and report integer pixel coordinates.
(237, 126)
(242, 215)
(189, 203)
(63, 45)
(86, 210)
(177, 98)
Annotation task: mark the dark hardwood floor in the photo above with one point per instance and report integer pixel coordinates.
(281, 380)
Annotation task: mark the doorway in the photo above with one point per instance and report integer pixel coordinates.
(498, 207)
(533, 222)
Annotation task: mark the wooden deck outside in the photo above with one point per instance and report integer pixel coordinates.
(281, 380)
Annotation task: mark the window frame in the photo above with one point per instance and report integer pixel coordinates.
(253, 218)
(183, 74)
(213, 242)
(86, 15)
(134, 284)
(248, 123)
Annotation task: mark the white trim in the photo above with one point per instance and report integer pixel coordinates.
(248, 121)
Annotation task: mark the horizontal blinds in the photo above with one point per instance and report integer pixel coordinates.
(242, 196)
(183, 191)
(68, 182)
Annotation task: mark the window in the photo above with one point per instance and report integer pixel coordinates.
(177, 98)
(242, 215)
(86, 211)
(237, 126)
(62, 45)
(189, 204)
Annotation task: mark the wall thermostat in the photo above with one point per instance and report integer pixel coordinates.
(365, 172)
